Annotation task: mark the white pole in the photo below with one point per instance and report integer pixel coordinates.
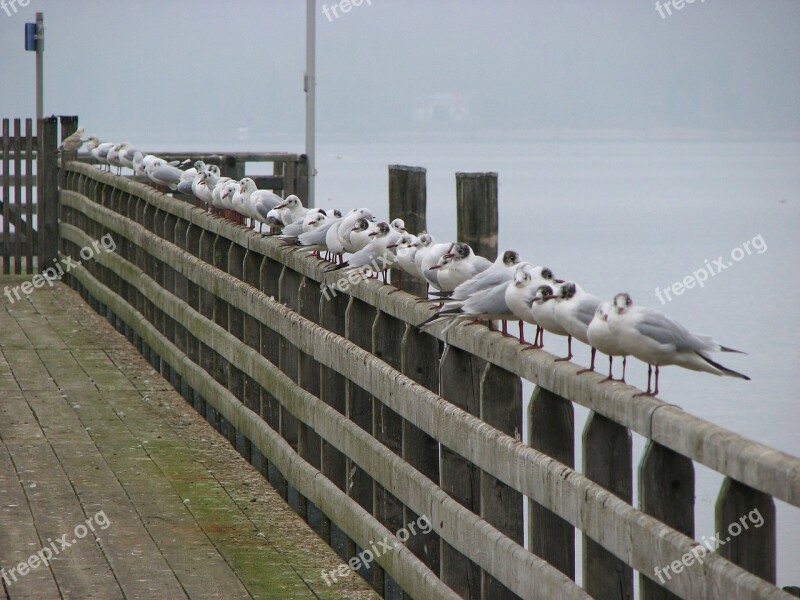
(310, 85)
(39, 67)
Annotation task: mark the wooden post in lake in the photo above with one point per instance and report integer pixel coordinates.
(476, 210)
(47, 190)
(408, 201)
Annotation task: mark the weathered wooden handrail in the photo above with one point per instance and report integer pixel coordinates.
(160, 233)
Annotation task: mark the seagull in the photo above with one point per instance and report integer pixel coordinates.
(526, 280)
(487, 305)
(100, 152)
(161, 173)
(375, 255)
(654, 338)
(574, 309)
(428, 255)
(463, 265)
(501, 270)
(73, 142)
(601, 338)
(291, 210)
(542, 311)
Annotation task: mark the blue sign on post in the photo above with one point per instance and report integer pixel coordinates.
(30, 37)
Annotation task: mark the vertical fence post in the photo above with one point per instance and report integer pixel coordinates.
(6, 139)
(302, 180)
(551, 430)
(501, 505)
(666, 492)
(460, 383)
(408, 201)
(47, 184)
(476, 210)
(739, 508)
(607, 461)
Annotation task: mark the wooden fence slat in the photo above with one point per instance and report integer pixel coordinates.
(607, 461)
(501, 505)
(31, 238)
(666, 491)
(6, 199)
(459, 382)
(18, 231)
(47, 191)
(751, 513)
(551, 430)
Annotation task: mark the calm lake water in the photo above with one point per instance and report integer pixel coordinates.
(636, 216)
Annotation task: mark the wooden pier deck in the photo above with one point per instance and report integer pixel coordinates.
(89, 431)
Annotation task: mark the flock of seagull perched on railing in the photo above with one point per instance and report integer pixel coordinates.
(468, 287)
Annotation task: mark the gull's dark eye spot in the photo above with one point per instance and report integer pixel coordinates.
(547, 274)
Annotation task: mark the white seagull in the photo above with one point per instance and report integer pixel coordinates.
(654, 338)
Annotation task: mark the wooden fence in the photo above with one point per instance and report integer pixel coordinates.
(366, 424)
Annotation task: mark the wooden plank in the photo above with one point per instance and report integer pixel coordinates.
(82, 569)
(47, 171)
(29, 208)
(607, 461)
(551, 430)
(420, 362)
(459, 382)
(408, 201)
(501, 505)
(476, 212)
(666, 491)
(18, 525)
(746, 521)
(18, 196)
(6, 200)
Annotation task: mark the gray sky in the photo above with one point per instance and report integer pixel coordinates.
(197, 71)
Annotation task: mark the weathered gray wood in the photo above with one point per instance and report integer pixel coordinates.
(501, 505)
(408, 201)
(308, 371)
(387, 425)
(421, 364)
(607, 461)
(358, 329)
(332, 388)
(476, 212)
(47, 191)
(6, 150)
(745, 519)
(289, 295)
(551, 430)
(31, 249)
(459, 382)
(666, 491)
(17, 196)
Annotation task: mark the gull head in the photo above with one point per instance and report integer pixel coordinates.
(510, 258)
(542, 295)
(622, 302)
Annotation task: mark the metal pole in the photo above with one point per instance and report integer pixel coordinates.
(39, 67)
(310, 86)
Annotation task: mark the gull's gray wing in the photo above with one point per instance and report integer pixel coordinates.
(587, 306)
(664, 330)
(482, 281)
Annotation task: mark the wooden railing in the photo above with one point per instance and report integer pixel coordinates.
(372, 423)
